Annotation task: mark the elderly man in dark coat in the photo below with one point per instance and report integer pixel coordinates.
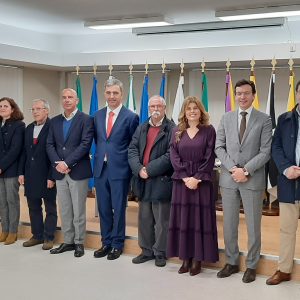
(149, 159)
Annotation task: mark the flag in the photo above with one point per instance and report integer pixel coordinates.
(270, 110)
(178, 100)
(255, 102)
(162, 85)
(144, 101)
(270, 168)
(78, 91)
(130, 104)
(93, 109)
(230, 100)
(204, 91)
(291, 100)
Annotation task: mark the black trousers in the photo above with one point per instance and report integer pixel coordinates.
(43, 230)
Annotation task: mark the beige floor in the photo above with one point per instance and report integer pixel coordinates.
(270, 227)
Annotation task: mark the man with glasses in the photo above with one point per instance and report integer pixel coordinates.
(243, 145)
(35, 175)
(149, 159)
(286, 155)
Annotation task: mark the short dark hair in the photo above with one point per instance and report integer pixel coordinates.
(16, 114)
(245, 82)
(297, 85)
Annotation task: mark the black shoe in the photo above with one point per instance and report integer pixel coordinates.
(142, 258)
(228, 270)
(160, 261)
(103, 251)
(249, 275)
(79, 250)
(114, 254)
(63, 248)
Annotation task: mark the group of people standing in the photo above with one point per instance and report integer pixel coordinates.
(172, 174)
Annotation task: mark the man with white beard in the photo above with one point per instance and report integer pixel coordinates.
(149, 159)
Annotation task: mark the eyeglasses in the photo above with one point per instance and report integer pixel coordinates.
(239, 94)
(37, 109)
(156, 106)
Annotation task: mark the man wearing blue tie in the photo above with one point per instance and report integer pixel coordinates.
(114, 127)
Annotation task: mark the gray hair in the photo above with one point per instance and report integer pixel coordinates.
(162, 100)
(45, 103)
(113, 81)
(70, 90)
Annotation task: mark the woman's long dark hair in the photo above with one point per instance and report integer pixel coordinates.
(16, 112)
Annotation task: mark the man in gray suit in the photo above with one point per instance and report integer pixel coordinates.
(243, 145)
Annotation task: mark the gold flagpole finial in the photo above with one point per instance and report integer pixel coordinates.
(181, 67)
(95, 69)
(274, 63)
(291, 63)
(252, 64)
(163, 66)
(228, 64)
(110, 68)
(130, 68)
(146, 68)
(77, 70)
(203, 65)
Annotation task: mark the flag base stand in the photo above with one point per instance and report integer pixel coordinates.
(270, 209)
(91, 194)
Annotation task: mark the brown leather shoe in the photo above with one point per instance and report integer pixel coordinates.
(186, 264)
(249, 275)
(278, 277)
(195, 268)
(3, 236)
(228, 270)
(32, 242)
(11, 238)
(47, 245)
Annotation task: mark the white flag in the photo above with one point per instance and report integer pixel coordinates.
(178, 100)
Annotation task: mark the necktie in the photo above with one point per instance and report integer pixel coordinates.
(243, 125)
(109, 123)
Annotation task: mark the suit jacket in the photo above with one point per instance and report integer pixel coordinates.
(253, 152)
(11, 144)
(115, 147)
(74, 151)
(35, 165)
(284, 155)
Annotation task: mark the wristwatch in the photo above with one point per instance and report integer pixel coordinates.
(246, 173)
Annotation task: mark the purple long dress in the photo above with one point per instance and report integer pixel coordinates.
(192, 228)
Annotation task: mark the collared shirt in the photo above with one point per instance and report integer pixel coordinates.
(71, 116)
(157, 124)
(116, 112)
(248, 111)
(37, 129)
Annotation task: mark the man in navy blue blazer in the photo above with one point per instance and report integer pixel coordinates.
(68, 145)
(114, 127)
(36, 176)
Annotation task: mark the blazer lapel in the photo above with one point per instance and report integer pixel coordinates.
(235, 128)
(43, 132)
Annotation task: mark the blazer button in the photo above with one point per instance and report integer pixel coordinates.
(64, 148)
(240, 151)
(32, 158)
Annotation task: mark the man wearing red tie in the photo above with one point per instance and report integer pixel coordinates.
(114, 127)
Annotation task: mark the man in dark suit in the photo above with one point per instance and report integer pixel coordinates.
(286, 155)
(35, 175)
(68, 145)
(243, 145)
(114, 127)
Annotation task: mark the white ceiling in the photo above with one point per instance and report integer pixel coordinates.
(51, 32)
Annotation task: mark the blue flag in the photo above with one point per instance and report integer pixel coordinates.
(162, 85)
(144, 101)
(93, 109)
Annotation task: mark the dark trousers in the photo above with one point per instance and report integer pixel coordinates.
(112, 200)
(41, 231)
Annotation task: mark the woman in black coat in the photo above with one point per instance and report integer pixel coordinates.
(11, 144)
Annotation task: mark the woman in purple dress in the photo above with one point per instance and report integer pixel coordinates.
(192, 229)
